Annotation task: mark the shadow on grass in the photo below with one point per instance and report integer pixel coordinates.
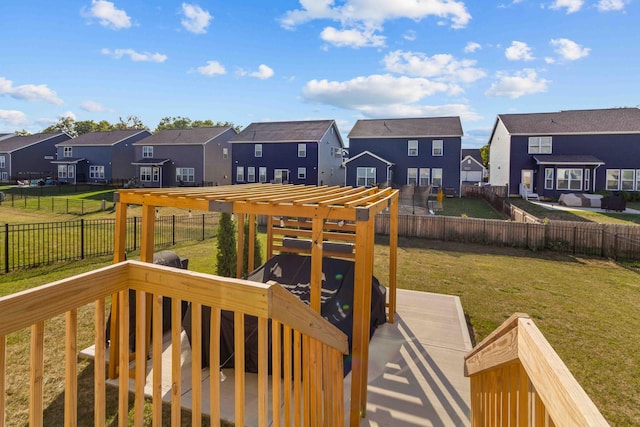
(54, 413)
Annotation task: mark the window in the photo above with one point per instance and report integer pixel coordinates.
(365, 177)
(436, 177)
(257, 150)
(262, 174)
(147, 151)
(613, 179)
(156, 174)
(628, 179)
(412, 148)
(5, 176)
(569, 179)
(68, 152)
(437, 148)
(281, 176)
(412, 176)
(185, 174)
(302, 173)
(71, 171)
(540, 145)
(251, 174)
(62, 171)
(302, 150)
(337, 152)
(145, 173)
(587, 179)
(3, 163)
(548, 179)
(638, 180)
(96, 172)
(240, 174)
(424, 177)
(225, 153)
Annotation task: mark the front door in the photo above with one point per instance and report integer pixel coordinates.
(281, 176)
(527, 179)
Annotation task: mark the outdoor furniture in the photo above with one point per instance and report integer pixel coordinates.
(613, 203)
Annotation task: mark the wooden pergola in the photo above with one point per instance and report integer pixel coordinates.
(323, 218)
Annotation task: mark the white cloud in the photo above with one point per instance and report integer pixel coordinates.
(518, 51)
(108, 15)
(211, 69)
(135, 56)
(13, 117)
(353, 37)
(410, 35)
(29, 92)
(363, 92)
(525, 82)
(549, 60)
(68, 114)
(440, 66)
(472, 47)
(196, 20)
(571, 5)
(264, 72)
(404, 110)
(569, 50)
(608, 5)
(92, 106)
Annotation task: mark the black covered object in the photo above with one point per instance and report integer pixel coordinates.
(170, 259)
(293, 272)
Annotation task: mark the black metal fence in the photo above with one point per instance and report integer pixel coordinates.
(31, 245)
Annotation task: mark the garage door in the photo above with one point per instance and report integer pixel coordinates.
(472, 176)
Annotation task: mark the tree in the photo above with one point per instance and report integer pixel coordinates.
(22, 132)
(104, 126)
(132, 122)
(227, 250)
(484, 153)
(179, 122)
(64, 124)
(85, 126)
(257, 252)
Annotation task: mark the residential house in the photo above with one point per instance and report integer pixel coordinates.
(299, 152)
(411, 151)
(103, 157)
(23, 158)
(472, 169)
(567, 151)
(189, 157)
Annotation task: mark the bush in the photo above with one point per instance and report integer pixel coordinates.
(227, 249)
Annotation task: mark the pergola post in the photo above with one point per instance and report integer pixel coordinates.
(240, 252)
(316, 264)
(393, 256)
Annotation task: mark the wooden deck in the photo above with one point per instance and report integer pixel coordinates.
(416, 369)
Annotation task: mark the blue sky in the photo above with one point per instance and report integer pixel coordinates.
(244, 61)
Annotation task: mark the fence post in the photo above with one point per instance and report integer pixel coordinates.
(6, 248)
(82, 207)
(82, 238)
(202, 226)
(38, 202)
(602, 240)
(52, 204)
(173, 230)
(615, 246)
(135, 231)
(67, 199)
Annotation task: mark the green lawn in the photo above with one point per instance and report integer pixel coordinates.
(468, 207)
(578, 215)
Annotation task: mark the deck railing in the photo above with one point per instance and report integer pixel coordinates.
(517, 379)
(306, 351)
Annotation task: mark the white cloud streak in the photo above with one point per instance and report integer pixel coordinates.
(108, 15)
(572, 6)
(135, 56)
(196, 20)
(29, 92)
(525, 82)
(609, 5)
(443, 67)
(472, 47)
(13, 117)
(92, 106)
(569, 50)
(211, 69)
(352, 37)
(518, 51)
(264, 72)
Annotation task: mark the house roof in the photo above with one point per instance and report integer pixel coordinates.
(19, 142)
(559, 159)
(191, 136)
(292, 131)
(148, 161)
(369, 153)
(68, 161)
(407, 128)
(614, 120)
(474, 153)
(101, 138)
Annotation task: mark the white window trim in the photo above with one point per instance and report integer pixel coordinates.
(257, 150)
(251, 174)
(262, 177)
(68, 152)
(96, 172)
(302, 150)
(607, 180)
(549, 178)
(302, 173)
(366, 176)
(437, 151)
(3, 162)
(535, 145)
(560, 177)
(412, 151)
(433, 176)
(190, 174)
(239, 173)
(225, 153)
(427, 177)
(411, 176)
(147, 151)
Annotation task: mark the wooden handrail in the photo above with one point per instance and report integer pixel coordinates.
(516, 361)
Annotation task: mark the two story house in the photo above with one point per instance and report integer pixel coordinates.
(28, 157)
(299, 152)
(98, 156)
(472, 170)
(185, 157)
(412, 151)
(567, 151)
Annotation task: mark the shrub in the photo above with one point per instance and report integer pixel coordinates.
(227, 249)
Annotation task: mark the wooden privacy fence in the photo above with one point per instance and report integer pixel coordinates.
(30, 245)
(517, 379)
(615, 241)
(302, 350)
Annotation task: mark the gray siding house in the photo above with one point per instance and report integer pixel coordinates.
(98, 157)
(410, 151)
(23, 158)
(298, 152)
(472, 170)
(185, 157)
(567, 151)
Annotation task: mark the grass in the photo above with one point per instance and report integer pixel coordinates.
(578, 215)
(586, 308)
(468, 207)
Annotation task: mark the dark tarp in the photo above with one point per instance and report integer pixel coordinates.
(293, 271)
